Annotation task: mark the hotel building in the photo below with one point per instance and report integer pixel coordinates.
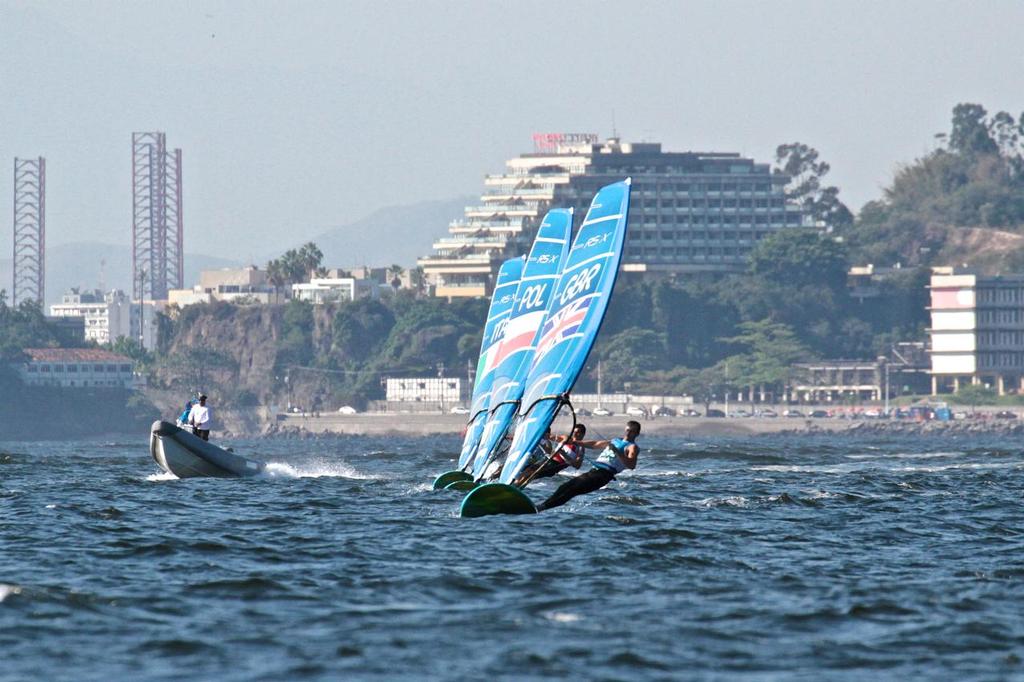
(690, 212)
(977, 330)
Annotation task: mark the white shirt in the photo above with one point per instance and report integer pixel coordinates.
(200, 416)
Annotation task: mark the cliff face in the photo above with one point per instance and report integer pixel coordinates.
(301, 355)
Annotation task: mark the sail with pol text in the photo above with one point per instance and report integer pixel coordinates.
(514, 354)
(566, 338)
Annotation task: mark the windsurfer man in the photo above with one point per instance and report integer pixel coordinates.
(618, 455)
(568, 453)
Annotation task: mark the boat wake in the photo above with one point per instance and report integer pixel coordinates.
(162, 476)
(315, 470)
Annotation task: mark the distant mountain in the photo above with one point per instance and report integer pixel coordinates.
(78, 265)
(394, 234)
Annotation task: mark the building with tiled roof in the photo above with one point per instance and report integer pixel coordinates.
(75, 368)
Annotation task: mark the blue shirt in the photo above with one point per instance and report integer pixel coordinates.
(609, 459)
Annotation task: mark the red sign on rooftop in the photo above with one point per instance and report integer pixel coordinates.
(550, 142)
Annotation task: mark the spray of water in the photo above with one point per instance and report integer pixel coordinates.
(314, 469)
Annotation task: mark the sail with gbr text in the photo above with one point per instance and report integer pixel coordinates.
(573, 320)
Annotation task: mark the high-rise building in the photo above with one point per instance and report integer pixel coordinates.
(690, 212)
(29, 231)
(157, 220)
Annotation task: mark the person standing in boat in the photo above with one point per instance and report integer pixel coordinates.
(199, 418)
(618, 455)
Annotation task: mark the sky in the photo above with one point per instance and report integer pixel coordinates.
(295, 117)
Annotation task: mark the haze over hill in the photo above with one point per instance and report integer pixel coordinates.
(394, 234)
(79, 265)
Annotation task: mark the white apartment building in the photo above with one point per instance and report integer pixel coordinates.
(75, 368)
(320, 290)
(977, 330)
(106, 316)
(690, 212)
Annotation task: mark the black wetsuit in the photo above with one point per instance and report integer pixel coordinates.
(596, 478)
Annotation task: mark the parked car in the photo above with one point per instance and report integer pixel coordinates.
(768, 413)
(1006, 414)
(636, 411)
(792, 413)
(348, 409)
(739, 413)
(960, 415)
(715, 413)
(603, 412)
(664, 411)
(872, 414)
(690, 412)
(459, 409)
(583, 412)
(818, 414)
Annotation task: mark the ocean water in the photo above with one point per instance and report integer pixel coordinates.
(762, 558)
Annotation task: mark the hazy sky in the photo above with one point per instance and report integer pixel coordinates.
(296, 116)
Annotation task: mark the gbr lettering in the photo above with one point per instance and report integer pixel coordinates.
(579, 283)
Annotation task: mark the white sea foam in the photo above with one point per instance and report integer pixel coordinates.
(315, 469)
(162, 476)
(735, 501)
(8, 590)
(559, 617)
(51, 506)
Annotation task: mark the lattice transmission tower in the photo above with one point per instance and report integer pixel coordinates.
(157, 221)
(29, 231)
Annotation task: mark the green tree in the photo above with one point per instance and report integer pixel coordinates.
(975, 394)
(768, 353)
(628, 354)
(970, 134)
(295, 265)
(806, 171)
(796, 258)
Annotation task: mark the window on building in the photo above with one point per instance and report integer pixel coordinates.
(33, 369)
(44, 368)
(97, 368)
(126, 368)
(58, 368)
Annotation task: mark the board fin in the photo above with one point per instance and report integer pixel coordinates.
(442, 481)
(496, 498)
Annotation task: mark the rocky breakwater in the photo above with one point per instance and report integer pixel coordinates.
(958, 427)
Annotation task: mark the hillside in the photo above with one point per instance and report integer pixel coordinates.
(408, 231)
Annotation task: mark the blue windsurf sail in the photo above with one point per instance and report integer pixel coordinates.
(512, 357)
(494, 328)
(573, 320)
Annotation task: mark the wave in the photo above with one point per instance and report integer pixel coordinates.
(162, 476)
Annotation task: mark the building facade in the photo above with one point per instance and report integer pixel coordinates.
(977, 331)
(320, 290)
(249, 284)
(690, 212)
(105, 316)
(75, 368)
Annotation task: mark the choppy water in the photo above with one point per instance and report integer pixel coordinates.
(766, 558)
